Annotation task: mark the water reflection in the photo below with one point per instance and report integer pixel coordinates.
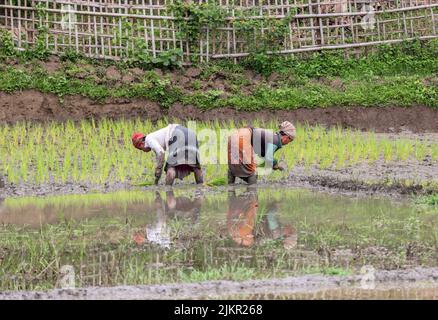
(181, 207)
(238, 234)
(246, 216)
(275, 230)
(246, 221)
(241, 216)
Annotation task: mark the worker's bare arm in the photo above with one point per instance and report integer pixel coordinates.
(159, 167)
(160, 156)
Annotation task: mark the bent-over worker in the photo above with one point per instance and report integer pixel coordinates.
(245, 142)
(181, 145)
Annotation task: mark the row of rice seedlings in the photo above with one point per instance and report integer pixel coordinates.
(98, 152)
(434, 151)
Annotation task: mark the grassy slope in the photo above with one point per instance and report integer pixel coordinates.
(401, 75)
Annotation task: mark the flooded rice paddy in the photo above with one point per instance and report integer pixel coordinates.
(187, 235)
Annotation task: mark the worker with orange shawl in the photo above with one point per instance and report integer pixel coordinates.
(246, 142)
(241, 217)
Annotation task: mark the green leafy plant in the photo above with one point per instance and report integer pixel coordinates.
(142, 58)
(6, 43)
(192, 19)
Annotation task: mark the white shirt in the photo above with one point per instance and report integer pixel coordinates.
(158, 140)
(159, 233)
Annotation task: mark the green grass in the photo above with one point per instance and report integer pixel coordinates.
(431, 200)
(329, 271)
(401, 75)
(226, 272)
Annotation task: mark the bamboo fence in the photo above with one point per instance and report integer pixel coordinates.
(112, 29)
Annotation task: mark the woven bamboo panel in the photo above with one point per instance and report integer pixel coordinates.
(115, 29)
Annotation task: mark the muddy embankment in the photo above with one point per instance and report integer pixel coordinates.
(37, 106)
(419, 278)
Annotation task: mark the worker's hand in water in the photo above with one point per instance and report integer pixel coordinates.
(278, 167)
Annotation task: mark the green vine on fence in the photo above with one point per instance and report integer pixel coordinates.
(191, 19)
(40, 50)
(274, 29)
(6, 44)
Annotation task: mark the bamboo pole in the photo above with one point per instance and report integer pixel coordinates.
(280, 16)
(154, 53)
(345, 46)
(96, 38)
(433, 20)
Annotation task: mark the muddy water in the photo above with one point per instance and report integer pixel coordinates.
(393, 291)
(189, 235)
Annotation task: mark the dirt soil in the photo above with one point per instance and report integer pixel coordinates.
(34, 105)
(407, 177)
(420, 277)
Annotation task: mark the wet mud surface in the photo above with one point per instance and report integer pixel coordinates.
(34, 105)
(408, 284)
(380, 177)
(393, 178)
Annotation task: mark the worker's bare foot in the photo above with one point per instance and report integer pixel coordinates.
(199, 178)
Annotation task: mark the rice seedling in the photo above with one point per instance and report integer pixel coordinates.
(219, 181)
(387, 148)
(421, 150)
(434, 151)
(403, 149)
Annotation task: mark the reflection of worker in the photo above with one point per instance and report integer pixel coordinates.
(245, 142)
(241, 221)
(273, 229)
(159, 232)
(181, 207)
(2, 185)
(183, 154)
(242, 212)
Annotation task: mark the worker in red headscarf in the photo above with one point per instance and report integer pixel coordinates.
(182, 150)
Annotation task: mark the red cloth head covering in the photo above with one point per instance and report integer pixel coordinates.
(137, 139)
